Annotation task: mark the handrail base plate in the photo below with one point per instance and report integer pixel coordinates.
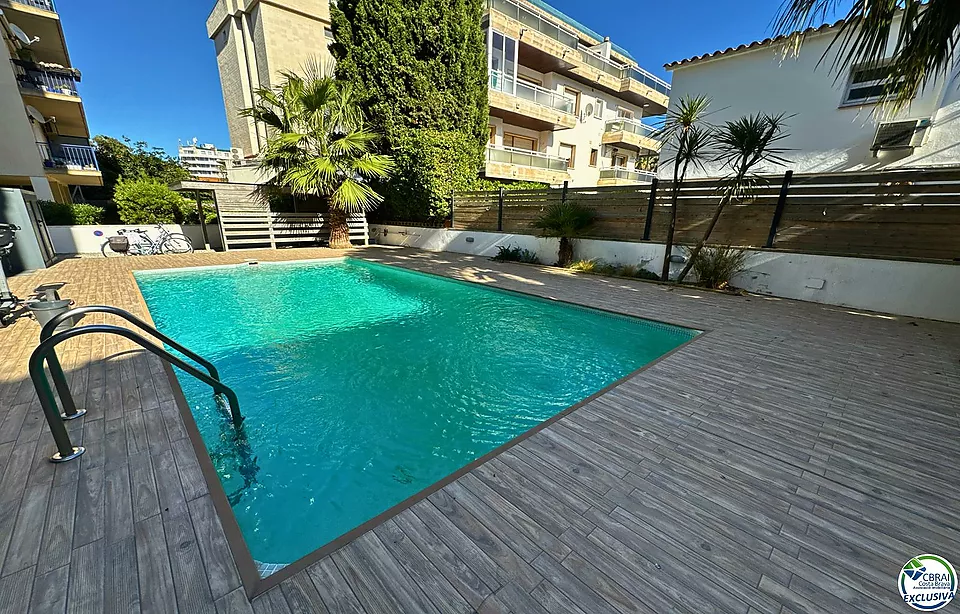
(77, 451)
(79, 413)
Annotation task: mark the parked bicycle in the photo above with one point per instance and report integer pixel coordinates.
(144, 245)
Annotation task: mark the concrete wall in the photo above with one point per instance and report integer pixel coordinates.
(86, 240)
(19, 155)
(825, 135)
(914, 289)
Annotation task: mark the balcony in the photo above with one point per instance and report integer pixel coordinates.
(43, 5)
(525, 165)
(41, 80)
(620, 175)
(630, 134)
(71, 164)
(530, 106)
(547, 46)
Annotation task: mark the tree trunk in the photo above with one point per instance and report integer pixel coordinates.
(671, 229)
(339, 231)
(565, 256)
(703, 239)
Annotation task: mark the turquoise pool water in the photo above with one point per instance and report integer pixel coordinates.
(363, 384)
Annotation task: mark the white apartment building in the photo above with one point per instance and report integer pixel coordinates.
(45, 146)
(207, 163)
(834, 122)
(566, 105)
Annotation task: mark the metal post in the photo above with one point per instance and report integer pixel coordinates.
(65, 449)
(452, 203)
(500, 212)
(70, 411)
(563, 192)
(778, 212)
(203, 223)
(650, 204)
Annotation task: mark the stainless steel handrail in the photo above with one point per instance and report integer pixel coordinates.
(65, 449)
(70, 410)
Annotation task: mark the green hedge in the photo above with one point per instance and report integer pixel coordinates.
(67, 214)
(148, 201)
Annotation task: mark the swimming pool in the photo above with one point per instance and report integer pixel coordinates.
(362, 384)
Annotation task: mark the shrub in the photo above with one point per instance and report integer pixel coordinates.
(715, 266)
(515, 254)
(566, 220)
(148, 201)
(600, 267)
(583, 266)
(67, 214)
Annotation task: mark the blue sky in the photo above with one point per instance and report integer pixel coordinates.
(152, 74)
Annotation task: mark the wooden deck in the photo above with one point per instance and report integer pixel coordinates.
(791, 460)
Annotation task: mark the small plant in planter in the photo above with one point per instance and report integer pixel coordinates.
(515, 254)
(566, 220)
(716, 266)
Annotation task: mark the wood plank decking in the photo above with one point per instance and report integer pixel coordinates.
(791, 461)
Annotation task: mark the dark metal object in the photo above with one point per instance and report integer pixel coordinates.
(563, 192)
(650, 204)
(778, 212)
(500, 211)
(70, 410)
(65, 449)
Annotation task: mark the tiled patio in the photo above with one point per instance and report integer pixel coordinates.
(790, 460)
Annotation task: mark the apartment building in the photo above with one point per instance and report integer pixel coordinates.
(255, 42)
(566, 104)
(205, 162)
(46, 142)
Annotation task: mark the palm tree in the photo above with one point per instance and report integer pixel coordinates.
(690, 138)
(317, 145)
(567, 220)
(742, 145)
(922, 49)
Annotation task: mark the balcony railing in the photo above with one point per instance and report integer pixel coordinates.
(30, 76)
(71, 157)
(535, 21)
(526, 157)
(531, 92)
(626, 174)
(625, 124)
(638, 74)
(46, 5)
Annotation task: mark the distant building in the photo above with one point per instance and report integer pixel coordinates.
(207, 163)
(834, 122)
(45, 143)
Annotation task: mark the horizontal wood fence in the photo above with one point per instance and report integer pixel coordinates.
(895, 214)
(252, 228)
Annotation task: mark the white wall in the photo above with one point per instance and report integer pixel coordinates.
(824, 136)
(85, 240)
(905, 288)
(19, 155)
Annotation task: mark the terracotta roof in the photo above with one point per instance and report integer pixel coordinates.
(753, 45)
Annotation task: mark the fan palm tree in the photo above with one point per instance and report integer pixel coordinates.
(689, 138)
(566, 220)
(317, 145)
(922, 47)
(742, 145)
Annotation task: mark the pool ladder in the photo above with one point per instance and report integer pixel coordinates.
(46, 352)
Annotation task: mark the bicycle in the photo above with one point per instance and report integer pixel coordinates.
(167, 243)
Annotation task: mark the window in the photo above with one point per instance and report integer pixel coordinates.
(493, 135)
(529, 80)
(519, 142)
(569, 93)
(569, 152)
(868, 83)
(594, 154)
(619, 161)
(624, 113)
(503, 62)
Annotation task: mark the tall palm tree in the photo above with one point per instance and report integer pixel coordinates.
(689, 138)
(922, 47)
(742, 145)
(317, 145)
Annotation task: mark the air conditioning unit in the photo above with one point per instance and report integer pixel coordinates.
(900, 135)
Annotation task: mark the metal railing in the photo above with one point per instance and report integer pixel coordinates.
(625, 124)
(526, 157)
(626, 174)
(534, 20)
(30, 76)
(46, 353)
(531, 92)
(80, 157)
(638, 74)
(46, 5)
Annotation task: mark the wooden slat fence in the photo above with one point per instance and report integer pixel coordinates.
(911, 214)
(249, 228)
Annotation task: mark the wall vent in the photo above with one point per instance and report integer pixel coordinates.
(900, 135)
